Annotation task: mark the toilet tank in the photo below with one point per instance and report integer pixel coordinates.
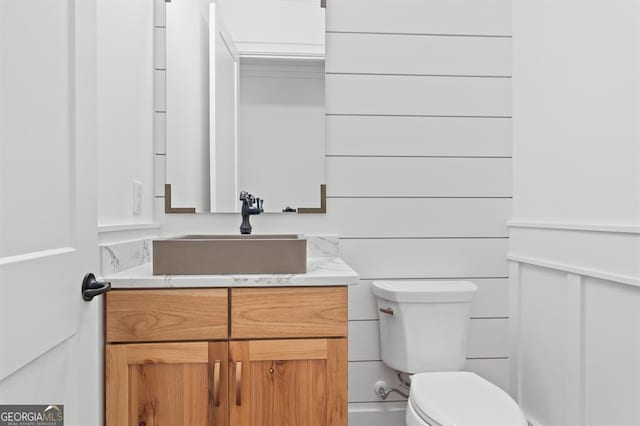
(424, 324)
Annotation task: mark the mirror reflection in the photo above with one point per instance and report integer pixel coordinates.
(245, 103)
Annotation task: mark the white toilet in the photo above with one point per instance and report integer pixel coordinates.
(423, 332)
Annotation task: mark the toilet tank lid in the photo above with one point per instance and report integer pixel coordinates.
(424, 291)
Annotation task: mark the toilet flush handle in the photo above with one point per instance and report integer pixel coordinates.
(388, 311)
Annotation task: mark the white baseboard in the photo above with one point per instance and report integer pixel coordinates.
(377, 413)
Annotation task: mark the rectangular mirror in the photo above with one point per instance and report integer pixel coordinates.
(245, 103)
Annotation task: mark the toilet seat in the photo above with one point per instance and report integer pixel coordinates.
(462, 398)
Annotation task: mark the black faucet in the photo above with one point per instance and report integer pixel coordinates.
(250, 206)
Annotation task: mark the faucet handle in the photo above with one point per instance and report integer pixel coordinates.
(245, 196)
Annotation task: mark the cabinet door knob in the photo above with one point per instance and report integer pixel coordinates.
(216, 383)
(388, 311)
(239, 383)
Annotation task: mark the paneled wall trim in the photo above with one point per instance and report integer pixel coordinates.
(566, 282)
(565, 363)
(574, 346)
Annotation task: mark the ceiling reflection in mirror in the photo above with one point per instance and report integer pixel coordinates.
(245, 103)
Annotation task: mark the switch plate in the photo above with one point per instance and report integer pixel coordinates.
(137, 198)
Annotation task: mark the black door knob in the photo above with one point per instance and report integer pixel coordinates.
(92, 288)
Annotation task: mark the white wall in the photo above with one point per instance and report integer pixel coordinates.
(577, 102)
(418, 169)
(125, 110)
(575, 236)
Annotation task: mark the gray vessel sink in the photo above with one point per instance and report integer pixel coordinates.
(230, 254)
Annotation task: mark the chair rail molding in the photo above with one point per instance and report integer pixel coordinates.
(622, 279)
(580, 248)
(577, 226)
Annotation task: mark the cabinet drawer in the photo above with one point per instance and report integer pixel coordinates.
(164, 315)
(288, 312)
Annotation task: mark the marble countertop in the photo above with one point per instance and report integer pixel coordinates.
(321, 271)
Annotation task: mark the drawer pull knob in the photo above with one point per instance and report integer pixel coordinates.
(216, 384)
(239, 383)
(388, 311)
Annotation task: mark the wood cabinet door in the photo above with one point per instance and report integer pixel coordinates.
(167, 384)
(301, 382)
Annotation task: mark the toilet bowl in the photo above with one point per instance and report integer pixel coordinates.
(423, 332)
(460, 398)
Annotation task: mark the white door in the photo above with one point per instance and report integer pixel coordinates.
(49, 344)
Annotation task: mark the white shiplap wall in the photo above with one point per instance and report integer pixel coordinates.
(419, 167)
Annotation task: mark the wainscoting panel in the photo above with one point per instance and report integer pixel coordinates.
(611, 348)
(573, 336)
